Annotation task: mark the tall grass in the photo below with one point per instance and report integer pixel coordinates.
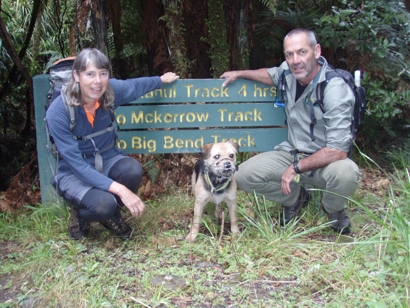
(394, 235)
(303, 264)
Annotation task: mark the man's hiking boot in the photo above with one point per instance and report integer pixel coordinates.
(341, 222)
(118, 226)
(293, 211)
(79, 228)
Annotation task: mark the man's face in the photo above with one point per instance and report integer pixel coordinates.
(301, 58)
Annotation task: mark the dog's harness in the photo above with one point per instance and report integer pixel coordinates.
(220, 187)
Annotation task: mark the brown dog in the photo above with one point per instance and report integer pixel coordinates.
(213, 181)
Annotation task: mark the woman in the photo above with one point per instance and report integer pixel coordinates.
(94, 176)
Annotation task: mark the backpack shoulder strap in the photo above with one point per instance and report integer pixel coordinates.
(281, 96)
(72, 116)
(320, 93)
(71, 110)
(320, 89)
(112, 112)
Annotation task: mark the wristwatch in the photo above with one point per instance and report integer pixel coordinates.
(296, 168)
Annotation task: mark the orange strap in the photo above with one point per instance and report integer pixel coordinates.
(68, 58)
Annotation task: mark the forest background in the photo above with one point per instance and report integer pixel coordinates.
(199, 39)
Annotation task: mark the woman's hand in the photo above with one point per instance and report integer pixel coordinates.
(169, 77)
(130, 199)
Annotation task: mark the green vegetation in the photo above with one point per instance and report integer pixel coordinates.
(304, 264)
(143, 38)
(371, 36)
(217, 39)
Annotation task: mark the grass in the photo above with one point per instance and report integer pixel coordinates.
(301, 265)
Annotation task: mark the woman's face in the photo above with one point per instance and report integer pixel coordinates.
(93, 83)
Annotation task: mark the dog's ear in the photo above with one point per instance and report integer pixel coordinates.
(206, 149)
(235, 145)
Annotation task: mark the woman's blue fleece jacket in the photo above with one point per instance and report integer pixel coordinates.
(71, 151)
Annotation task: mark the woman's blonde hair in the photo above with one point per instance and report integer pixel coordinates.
(72, 90)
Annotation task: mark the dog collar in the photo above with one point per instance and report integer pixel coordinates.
(213, 188)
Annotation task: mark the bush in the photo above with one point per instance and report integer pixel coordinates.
(374, 38)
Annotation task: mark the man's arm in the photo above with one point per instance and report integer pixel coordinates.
(320, 159)
(260, 75)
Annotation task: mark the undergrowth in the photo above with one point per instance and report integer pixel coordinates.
(303, 264)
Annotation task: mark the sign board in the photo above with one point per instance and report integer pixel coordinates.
(184, 115)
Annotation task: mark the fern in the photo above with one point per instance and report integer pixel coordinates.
(152, 170)
(271, 4)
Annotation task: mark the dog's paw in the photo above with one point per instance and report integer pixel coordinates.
(191, 238)
(234, 229)
(218, 212)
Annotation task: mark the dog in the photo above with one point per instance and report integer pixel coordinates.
(213, 181)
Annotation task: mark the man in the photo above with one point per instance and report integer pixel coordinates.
(318, 152)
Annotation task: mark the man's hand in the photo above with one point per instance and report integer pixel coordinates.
(169, 77)
(320, 159)
(230, 76)
(260, 75)
(287, 177)
(130, 200)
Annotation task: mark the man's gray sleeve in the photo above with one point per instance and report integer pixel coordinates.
(338, 104)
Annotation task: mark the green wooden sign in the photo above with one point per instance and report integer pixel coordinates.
(210, 90)
(199, 115)
(183, 116)
(191, 141)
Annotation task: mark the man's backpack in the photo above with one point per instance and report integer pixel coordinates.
(359, 108)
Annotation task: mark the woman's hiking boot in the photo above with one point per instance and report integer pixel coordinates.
(293, 211)
(79, 228)
(118, 226)
(341, 222)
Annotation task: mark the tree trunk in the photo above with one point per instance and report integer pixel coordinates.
(79, 26)
(18, 64)
(239, 31)
(194, 15)
(175, 37)
(37, 35)
(169, 45)
(120, 67)
(407, 5)
(99, 25)
(155, 37)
